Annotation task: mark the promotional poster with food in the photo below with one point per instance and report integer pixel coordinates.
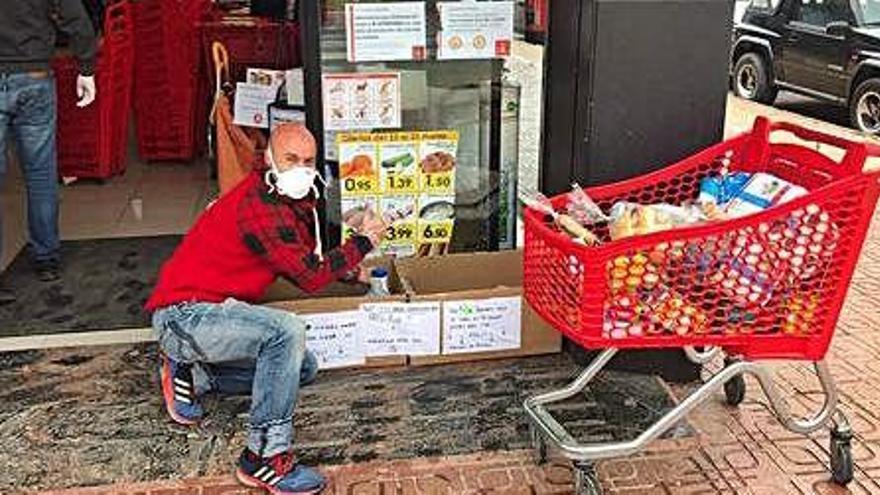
(408, 178)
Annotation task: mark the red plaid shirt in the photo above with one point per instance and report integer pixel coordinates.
(281, 231)
(242, 243)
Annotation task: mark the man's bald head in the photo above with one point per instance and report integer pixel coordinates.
(292, 145)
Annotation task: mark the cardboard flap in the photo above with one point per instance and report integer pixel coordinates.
(461, 272)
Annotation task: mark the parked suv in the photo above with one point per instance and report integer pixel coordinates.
(827, 49)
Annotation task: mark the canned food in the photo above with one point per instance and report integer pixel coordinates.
(637, 270)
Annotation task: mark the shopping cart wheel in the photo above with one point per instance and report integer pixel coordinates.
(735, 388)
(539, 445)
(586, 481)
(841, 455)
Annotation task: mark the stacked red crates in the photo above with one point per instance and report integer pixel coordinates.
(92, 140)
(166, 75)
(250, 42)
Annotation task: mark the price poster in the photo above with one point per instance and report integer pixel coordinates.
(408, 178)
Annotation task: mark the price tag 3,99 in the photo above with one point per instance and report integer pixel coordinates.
(401, 233)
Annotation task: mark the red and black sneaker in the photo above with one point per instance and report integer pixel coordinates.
(279, 474)
(179, 391)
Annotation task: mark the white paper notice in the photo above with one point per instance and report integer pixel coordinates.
(376, 32)
(266, 77)
(401, 328)
(335, 338)
(355, 101)
(475, 30)
(482, 325)
(252, 104)
(295, 87)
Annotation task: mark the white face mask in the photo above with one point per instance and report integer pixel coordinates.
(294, 183)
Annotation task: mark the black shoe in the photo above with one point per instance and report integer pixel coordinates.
(48, 271)
(6, 296)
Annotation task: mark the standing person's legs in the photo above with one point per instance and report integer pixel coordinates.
(33, 125)
(6, 295)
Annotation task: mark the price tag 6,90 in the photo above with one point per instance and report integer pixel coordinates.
(360, 185)
(435, 232)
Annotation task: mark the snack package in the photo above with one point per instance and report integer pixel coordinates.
(719, 190)
(761, 192)
(565, 223)
(628, 219)
(582, 208)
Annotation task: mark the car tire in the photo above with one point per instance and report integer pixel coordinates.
(751, 79)
(864, 107)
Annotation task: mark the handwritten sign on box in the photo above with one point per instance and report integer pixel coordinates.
(335, 339)
(482, 325)
(401, 328)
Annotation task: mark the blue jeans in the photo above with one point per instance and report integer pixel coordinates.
(238, 348)
(27, 109)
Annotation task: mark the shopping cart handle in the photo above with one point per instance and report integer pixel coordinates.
(872, 149)
(813, 135)
(852, 162)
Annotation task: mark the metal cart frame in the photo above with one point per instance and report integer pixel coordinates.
(547, 432)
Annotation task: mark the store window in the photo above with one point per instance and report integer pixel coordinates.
(431, 113)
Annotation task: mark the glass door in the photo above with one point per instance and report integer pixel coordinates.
(430, 112)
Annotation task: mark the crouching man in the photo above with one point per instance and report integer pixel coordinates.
(213, 338)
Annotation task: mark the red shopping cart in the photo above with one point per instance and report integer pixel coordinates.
(764, 286)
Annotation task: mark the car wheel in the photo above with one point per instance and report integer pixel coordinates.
(864, 107)
(751, 79)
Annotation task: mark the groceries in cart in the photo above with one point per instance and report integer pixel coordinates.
(738, 276)
(571, 225)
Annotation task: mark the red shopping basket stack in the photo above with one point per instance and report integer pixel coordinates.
(766, 285)
(166, 77)
(92, 140)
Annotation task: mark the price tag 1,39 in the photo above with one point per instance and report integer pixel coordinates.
(401, 183)
(360, 185)
(435, 232)
(439, 183)
(401, 233)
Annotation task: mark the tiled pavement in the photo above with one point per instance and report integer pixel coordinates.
(736, 451)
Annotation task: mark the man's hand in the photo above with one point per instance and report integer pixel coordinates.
(85, 90)
(373, 226)
(363, 275)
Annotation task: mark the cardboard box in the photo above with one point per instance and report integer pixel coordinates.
(476, 276)
(470, 276)
(338, 296)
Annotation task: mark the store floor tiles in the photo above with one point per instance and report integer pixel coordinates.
(149, 199)
(91, 416)
(104, 285)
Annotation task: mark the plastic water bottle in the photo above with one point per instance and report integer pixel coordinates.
(379, 282)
